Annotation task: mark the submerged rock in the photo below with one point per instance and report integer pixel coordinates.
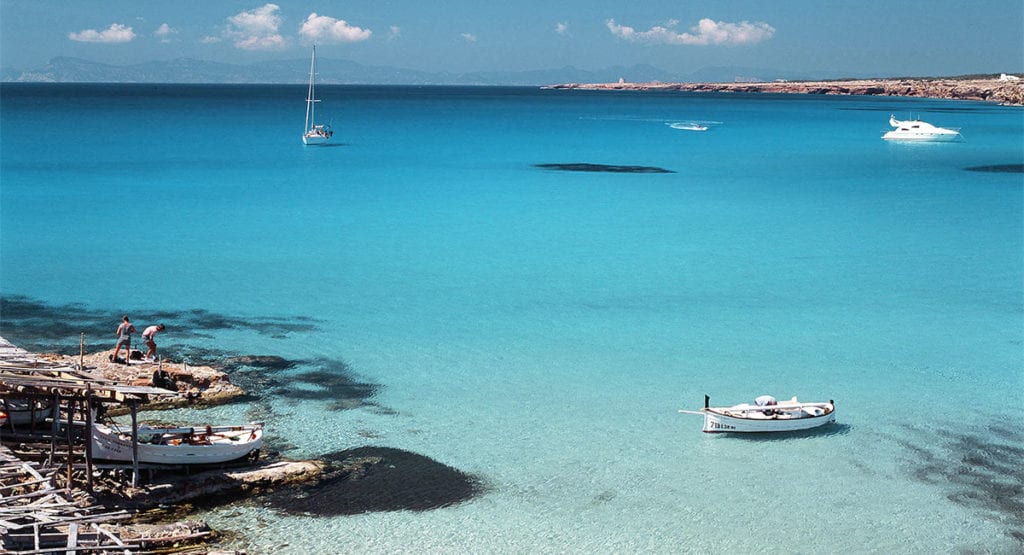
(370, 479)
(271, 362)
(998, 168)
(585, 167)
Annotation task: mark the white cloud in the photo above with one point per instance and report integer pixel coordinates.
(328, 29)
(707, 31)
(562, 28)
(210, 40)
(115, 33)
(164, 31)
(468, 37)
(257, 29)
(394, 32)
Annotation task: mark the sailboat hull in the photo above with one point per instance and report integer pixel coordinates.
(314, 139)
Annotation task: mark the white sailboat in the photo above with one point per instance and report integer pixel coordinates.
(314, 133)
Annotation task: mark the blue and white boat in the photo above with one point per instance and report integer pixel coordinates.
(785, 416)
(179, 445)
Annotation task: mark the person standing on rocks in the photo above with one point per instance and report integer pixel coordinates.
(124, 337)
(149, 334)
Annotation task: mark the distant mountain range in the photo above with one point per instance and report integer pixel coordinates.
(345, 72)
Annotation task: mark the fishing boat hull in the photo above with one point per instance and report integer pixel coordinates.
(19, 413)
(159, 446)
(717, 423)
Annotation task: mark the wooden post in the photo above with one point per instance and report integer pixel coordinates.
(10, 416)
(53, 429)
(81, 353)
(32, 414)
(135, 442)
(71, 451)
(88, 437)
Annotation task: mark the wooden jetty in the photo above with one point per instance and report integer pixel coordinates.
(47, 471)
(41, 511)
(71, 392)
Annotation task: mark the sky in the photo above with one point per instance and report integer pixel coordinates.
(860, 38)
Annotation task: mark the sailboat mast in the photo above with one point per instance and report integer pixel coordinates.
(310, 99)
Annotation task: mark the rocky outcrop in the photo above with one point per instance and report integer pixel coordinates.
(212, 486)
(987, 90)
(194, 384)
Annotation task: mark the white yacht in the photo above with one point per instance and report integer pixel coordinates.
(917, 130)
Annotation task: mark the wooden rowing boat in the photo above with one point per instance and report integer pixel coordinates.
(784, 416)
(179, 445)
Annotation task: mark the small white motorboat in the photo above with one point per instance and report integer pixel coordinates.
(688, 126)
(769, 416)
(174, 445)
(917, 130)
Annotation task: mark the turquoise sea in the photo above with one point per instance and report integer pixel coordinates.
(532, 332)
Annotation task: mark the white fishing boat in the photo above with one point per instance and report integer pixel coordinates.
(917, 130)
(179, 445)
(782, 416)
(314, 133)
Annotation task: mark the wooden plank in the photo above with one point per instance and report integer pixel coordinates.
(72, 538)
(8, 525)
(38, 494)
(44, 480)
(99, 529)
(86, 548)
(28, 468)
(120, 515)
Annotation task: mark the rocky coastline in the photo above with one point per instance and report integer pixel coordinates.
(1006, 92)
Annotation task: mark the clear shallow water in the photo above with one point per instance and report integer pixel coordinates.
(538, 329)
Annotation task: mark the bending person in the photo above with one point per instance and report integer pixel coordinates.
(149, 334)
